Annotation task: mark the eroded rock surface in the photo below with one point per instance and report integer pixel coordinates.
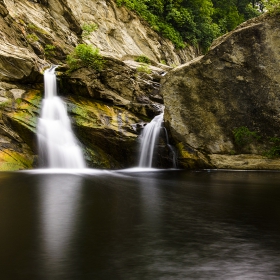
(237, 84)
(107, 107)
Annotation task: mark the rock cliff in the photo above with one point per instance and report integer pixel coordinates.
(107, 107)
(222, 109)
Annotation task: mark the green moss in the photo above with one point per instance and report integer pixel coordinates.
(98, 115)
(11, 160)
(32, 38)
(35, 28)
(144, 69)
(49, 50)
(5, 104)
(88, 28)
(100, 159)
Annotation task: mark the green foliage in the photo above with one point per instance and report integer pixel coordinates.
(32, 38)
(144, 69)
(49, 50)
(243, 136)
(88, 28)
(274, 151)
(272, 5)
(143, 59)
(152, 11)
(85, 56)
(195, 22)
(35, 28)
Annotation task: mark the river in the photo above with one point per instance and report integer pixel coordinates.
(160, 224)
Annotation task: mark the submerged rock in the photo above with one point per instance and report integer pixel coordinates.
(235, 85)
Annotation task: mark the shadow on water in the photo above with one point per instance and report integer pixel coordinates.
(160, 224)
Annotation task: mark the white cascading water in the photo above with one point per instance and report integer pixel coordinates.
(58, 147)
(149, 138)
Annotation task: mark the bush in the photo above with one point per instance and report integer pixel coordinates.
(144, 69)
(274, 151)
(88, 28)
(143, 59)
(85, 56)
(243, 136)
(49, 50)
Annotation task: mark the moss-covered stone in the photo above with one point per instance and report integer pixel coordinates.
(11, 160)
(105, 131)
(191, 159)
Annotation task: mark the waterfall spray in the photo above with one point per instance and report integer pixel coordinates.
(58, 147)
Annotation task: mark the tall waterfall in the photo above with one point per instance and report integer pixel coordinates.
(58, 147)
(149, 139)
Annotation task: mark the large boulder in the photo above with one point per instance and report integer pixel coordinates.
(227, 102)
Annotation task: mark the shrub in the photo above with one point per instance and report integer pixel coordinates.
(143, 59)
(88, 28)
(243, 136)
(85, 56)
(144, 69)
(274, 151)
(49, 50)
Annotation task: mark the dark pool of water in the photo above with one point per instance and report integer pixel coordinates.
(145, 225)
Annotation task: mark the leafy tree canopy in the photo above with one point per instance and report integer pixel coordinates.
(196, 22)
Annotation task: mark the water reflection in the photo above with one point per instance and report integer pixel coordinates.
(140, 225)
(59, 211)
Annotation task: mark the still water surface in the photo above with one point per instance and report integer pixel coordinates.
(139, 225)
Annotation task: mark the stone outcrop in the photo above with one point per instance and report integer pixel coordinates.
(108, 108)
(236, 84)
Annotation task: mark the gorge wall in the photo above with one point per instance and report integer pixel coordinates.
(107, 107)
(223, 109)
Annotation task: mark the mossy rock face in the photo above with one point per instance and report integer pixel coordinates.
(189, 158)
(25, 115)
(105, 131)
(11, 160)
(18, 118)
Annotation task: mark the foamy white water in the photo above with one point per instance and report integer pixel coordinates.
(149, 139)
(58, 147)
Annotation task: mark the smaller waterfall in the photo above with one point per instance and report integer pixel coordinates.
(171, 149)
(58, 147)
(149, 139)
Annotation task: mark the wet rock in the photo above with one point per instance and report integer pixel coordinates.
(36, 34)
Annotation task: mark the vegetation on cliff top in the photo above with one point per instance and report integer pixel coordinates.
(196, 22)
(85, 56)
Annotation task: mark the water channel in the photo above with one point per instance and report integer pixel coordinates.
(156, 224)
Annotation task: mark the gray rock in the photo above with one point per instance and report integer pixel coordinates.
(237, 83)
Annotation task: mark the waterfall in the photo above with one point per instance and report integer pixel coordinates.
(171, 149)
(149, 138)
(58, 147)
